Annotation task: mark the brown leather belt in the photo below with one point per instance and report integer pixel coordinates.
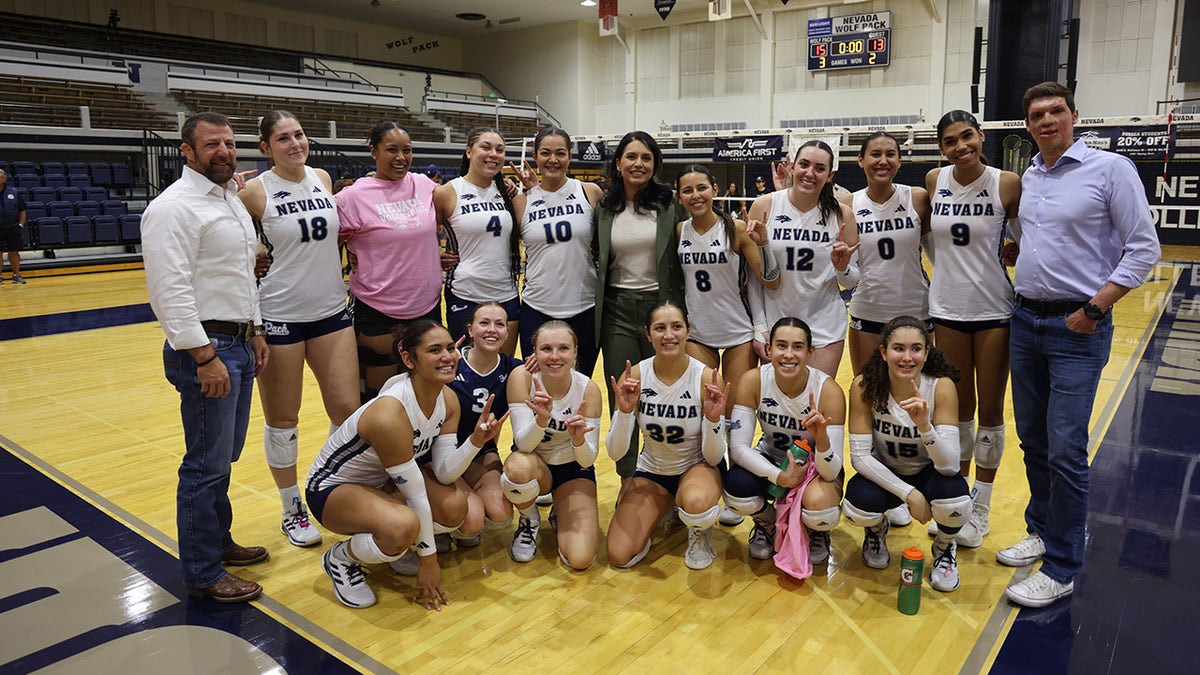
(227, 328)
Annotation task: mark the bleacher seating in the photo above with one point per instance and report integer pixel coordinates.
(70, 194)
(28, 180)
(131, 228)
(51, 180)
(43, 194)
(96, 194)
(101, 173)
(61, 209)
(79, 180)
(87, 208)
(120, 176)
(50, 231)
(55, 102)
(108, 229)
(113, 207)
(22, 167)
(511, 127)
(35, 210)
(53, 168)
(79, 230)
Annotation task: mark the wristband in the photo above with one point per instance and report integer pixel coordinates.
(207, 361)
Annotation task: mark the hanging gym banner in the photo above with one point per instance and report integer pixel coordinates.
(1174, 194)
(748, 149)
(664, 7)
(1148, 143)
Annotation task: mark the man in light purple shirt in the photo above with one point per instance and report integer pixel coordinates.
(1086, 239)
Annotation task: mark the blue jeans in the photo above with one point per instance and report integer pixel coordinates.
(214, 430)
(1055, 373)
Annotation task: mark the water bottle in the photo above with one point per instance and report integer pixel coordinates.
(912, 571)
(800, 452)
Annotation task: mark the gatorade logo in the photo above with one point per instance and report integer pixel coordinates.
(906, 576)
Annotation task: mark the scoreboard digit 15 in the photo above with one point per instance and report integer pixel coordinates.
(854, 41)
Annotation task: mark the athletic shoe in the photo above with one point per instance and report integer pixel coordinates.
(463, 541)
(699, 554)
(524, 544)
(979, 516)
(762, 540)
(932, 530)
(969, 536)
(1025, 552)
(349, 583)
(18, 279)
(729, 517)
(874, 551)
(299, 530)
(1038, 590)
(545, 500)
(943, 576)
(442, 542)
(407, 564)
(818, 547)
(899, 516)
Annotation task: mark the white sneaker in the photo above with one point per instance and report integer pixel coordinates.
(762, 540)
(979, 516)
(932, 530)
(1025, 552)
(1038, 590)
(969, 536)
(818, 547)
(524, 544)
(874, 550)
(545, 500)
(943, 576)
(299, 530)
(349, 582)
(899, 516)
(407, 564)
(442, 542)
(729, 517)
(699, 554)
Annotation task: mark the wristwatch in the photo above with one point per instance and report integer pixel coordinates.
(1093, 311)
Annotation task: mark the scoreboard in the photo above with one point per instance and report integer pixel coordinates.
(853, 41)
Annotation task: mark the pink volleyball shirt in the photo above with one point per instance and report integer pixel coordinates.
(392, 229)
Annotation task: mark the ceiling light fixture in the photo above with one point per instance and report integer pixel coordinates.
(588, 3)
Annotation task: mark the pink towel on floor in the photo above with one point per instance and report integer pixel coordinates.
(791, 537)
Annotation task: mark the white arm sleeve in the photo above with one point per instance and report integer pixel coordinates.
(526, 433)
(941, 442)
(741, 449)
(770, 266)
(450, 462)
(865, 462)
(411, 483)
(848, 278)
(829, 463)
(619, 434)
(713, 443)
(586, 454)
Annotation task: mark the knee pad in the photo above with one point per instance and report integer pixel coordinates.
(370, 357)
(859, 517)
(989, 447)
(951, 513)
(439, 528)
(822, 520)
(367, 550)
(282, 446)
(744, 506)
(519, 493)
(703, 520)
(489, 524)
(966, 440)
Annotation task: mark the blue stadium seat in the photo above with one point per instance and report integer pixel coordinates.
(112, 207)
(131, 228)
(35, 210)
(54, 181)
(26, 236)
(23, 193)
(79, 180)
(77, 168)
(61, 209)
(107, 228)
(70, 194)
(24, 167)
(87, 208)
(96, 194)
(101, 173)
(28, 180)
(5, 167)
(53, 168)
(79, 230)
(50, 231)
(121, 176)
(43, 194)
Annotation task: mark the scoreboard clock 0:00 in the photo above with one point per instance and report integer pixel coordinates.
(853, 50)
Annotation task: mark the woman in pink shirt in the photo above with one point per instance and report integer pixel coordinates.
(389, 225)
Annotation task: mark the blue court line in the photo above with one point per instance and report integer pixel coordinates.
(67, 322)
(1137, 600)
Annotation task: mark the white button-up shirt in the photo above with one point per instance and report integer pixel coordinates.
(198, 245)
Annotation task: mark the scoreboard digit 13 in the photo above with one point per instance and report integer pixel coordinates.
(852, 41)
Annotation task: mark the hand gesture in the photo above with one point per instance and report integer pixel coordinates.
(429, 593)
(757, 230)
(918, 506)
(525, 174)
(540, 403)
(916, 406)
(240, 178)
(578, 427)
(488, 427)
(627, 391)
(792, 473)
(714, 398)
(512, 188)
(841, 252)
(815, 422)
(459, 343)
(781, 173)
(532, 365)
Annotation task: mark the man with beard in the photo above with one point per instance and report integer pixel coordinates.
(199, 245)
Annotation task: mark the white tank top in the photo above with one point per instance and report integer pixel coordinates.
(300, 224)
(891, 279)
(555, 446)
(780, 417)
(897, 442)
(560, 278)
(480, 227)
(671, 419)
(346, 457)
(713, 277)
(808, 289)
(969, 280)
